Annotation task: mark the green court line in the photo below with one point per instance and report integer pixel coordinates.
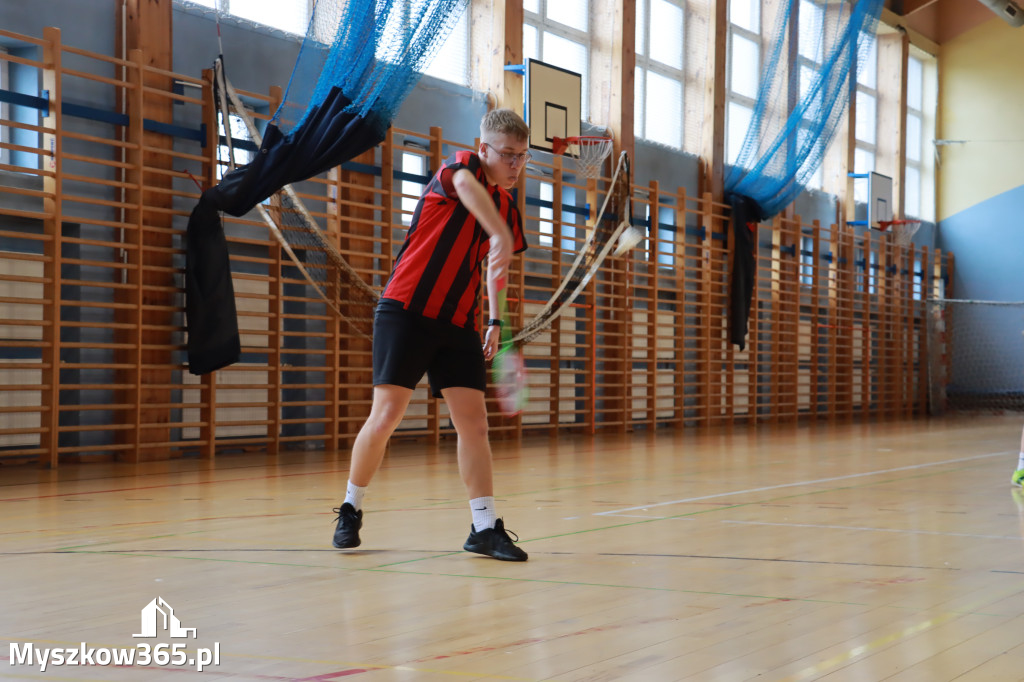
(483, 577)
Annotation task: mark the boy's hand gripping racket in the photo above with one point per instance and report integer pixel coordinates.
(507, 370)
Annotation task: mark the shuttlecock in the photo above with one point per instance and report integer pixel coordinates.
(629, 238)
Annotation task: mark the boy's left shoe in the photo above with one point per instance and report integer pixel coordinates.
(494, 542)
(1018, 478)
(346, 534)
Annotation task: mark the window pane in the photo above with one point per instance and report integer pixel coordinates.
(4, 110)
(530, 42)
(451, 63)
(811, 31)
(738, 120)
(292, 18)
(570, 55)
(532, 6)
(638, 103)
(863, 162)
(915, 144)
(667, 33)
(565, 53)
(664, 122)
(746, 14)
(807, 76)
(913, 192)
(915, 82)
(744, 66)
(866, 121)
(546, 215)
(572, 13)
(666, 235)
(817, 178)
(641, 28)
(239, 132)
(867, 71)
(412, 164)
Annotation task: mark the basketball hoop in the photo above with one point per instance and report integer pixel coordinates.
(902, 231)
(593, 150)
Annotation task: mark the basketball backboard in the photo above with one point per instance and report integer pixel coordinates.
(553, 97)
(879, 199)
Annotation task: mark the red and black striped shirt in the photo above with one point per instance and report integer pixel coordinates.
(437, 272)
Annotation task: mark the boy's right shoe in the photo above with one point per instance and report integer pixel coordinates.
(1018, 478)
(494, 542)
(346, 535)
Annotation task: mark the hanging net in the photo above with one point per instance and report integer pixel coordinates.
(373, 51)
(902, 231)
(590, 152)
(795, 115)
(357, 64)
(789, 131)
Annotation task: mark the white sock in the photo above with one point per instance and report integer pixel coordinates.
(484, 515)
(354, 495)
(1020, 462)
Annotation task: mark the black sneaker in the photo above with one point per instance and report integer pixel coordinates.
(494, 542)
(346, 535)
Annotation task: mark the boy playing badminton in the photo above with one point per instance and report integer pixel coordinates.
(426, 322)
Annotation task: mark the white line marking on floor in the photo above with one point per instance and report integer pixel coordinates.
(749, 491)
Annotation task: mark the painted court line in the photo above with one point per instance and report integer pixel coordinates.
(750, 491)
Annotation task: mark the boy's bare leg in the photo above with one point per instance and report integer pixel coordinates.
(389, 405)
(488, 535)
(469, 415)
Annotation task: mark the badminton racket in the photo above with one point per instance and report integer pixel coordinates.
(508, 372)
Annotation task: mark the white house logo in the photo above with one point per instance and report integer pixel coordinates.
(159, 615)
(158, 621)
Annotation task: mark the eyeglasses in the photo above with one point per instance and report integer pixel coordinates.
(510, 158)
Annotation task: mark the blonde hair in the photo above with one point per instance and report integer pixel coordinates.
(498, 121)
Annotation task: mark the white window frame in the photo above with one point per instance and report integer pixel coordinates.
(538, 20)
(813, 63)
(645, 65)
(860, 192)
(918, 165)
(733, 97)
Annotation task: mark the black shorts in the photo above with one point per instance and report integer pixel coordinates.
(406, 345)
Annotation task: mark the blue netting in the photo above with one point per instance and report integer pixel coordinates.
(785, 143)
(372, 50)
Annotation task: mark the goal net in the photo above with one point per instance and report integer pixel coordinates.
(975, 355)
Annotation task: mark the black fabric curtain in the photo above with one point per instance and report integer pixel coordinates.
(329, 137)
(746, 214)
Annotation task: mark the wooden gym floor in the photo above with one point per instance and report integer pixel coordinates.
(889, 551)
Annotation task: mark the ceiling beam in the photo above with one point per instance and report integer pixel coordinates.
(908, 7)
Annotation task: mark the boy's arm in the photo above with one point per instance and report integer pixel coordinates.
(475, 197)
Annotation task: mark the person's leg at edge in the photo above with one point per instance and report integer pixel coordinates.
(386, 412)
(469, 416)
